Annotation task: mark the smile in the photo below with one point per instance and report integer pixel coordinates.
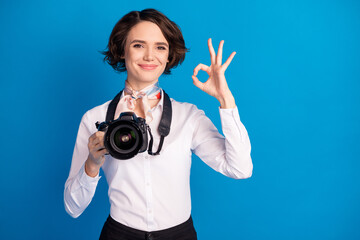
(148, 66)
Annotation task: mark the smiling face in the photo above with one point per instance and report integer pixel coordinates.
(146, 54)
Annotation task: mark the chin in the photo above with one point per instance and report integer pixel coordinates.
(147, 80)
(148, 76)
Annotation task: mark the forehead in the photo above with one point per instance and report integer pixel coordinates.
(146, 31)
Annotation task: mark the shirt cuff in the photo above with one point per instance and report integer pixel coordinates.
(229, 116)
(87, 181)
(230, 122)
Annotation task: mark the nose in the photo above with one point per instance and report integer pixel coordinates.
(148, 56)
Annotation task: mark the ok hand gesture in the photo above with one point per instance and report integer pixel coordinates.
(216, 84)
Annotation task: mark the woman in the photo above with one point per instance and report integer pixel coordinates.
(150, 194)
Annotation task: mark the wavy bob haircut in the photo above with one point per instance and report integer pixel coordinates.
(172, 33)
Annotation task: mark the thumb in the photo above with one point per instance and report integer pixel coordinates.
(197, 82)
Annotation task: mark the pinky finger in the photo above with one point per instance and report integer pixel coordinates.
(228, 61)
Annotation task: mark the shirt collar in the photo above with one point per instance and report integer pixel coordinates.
(161, 102)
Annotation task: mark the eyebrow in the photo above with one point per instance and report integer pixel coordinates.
(157, 43)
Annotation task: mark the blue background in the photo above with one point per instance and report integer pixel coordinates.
(295, 79)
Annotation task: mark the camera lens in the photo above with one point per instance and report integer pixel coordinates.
(125, 138)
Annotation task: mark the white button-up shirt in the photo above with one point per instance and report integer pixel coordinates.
(152, 193)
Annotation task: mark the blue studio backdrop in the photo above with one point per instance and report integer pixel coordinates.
(295, 79)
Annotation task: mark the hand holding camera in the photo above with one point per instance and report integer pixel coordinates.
(122, 138)
(97, 151)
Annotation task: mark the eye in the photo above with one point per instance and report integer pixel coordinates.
(137, 45)
(161, 48)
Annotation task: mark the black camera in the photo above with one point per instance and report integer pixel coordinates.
(126, 136)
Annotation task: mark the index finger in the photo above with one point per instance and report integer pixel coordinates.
(96, 135)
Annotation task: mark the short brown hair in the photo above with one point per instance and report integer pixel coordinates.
(171, 31)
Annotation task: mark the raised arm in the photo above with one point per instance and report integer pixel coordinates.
(230, 155)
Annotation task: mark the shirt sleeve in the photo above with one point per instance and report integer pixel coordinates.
(79, 187)
(228, 154)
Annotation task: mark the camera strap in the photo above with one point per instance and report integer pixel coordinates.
(164, 125)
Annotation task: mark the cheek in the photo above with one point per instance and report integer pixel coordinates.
(132, 55)
(163, 57)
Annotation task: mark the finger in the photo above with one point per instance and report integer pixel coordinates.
(99, 134)
(197, 82)
(92, 137)
(104, 151)
(98, 156)
(96, 135)
(95, 149)
(95, 141)
(212, 51)
(90, 144)
(98, 146)
(219, 54)
(101, 152)
(100, 149)
(228, 61)
(201, 67)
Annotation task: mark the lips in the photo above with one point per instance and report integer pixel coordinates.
(148, 66)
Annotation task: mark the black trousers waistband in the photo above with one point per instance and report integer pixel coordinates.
(114, 230)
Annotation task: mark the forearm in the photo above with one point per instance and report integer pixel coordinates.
(236, 161)
(230, 155)
(79, 192)
(237, 144)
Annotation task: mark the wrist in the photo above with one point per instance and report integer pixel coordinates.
(91, 169)
(227, 102)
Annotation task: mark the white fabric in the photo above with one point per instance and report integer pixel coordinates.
(153, 192)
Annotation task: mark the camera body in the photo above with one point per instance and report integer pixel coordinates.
(126, 136)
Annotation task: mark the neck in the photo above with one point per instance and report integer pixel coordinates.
(137, 86)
